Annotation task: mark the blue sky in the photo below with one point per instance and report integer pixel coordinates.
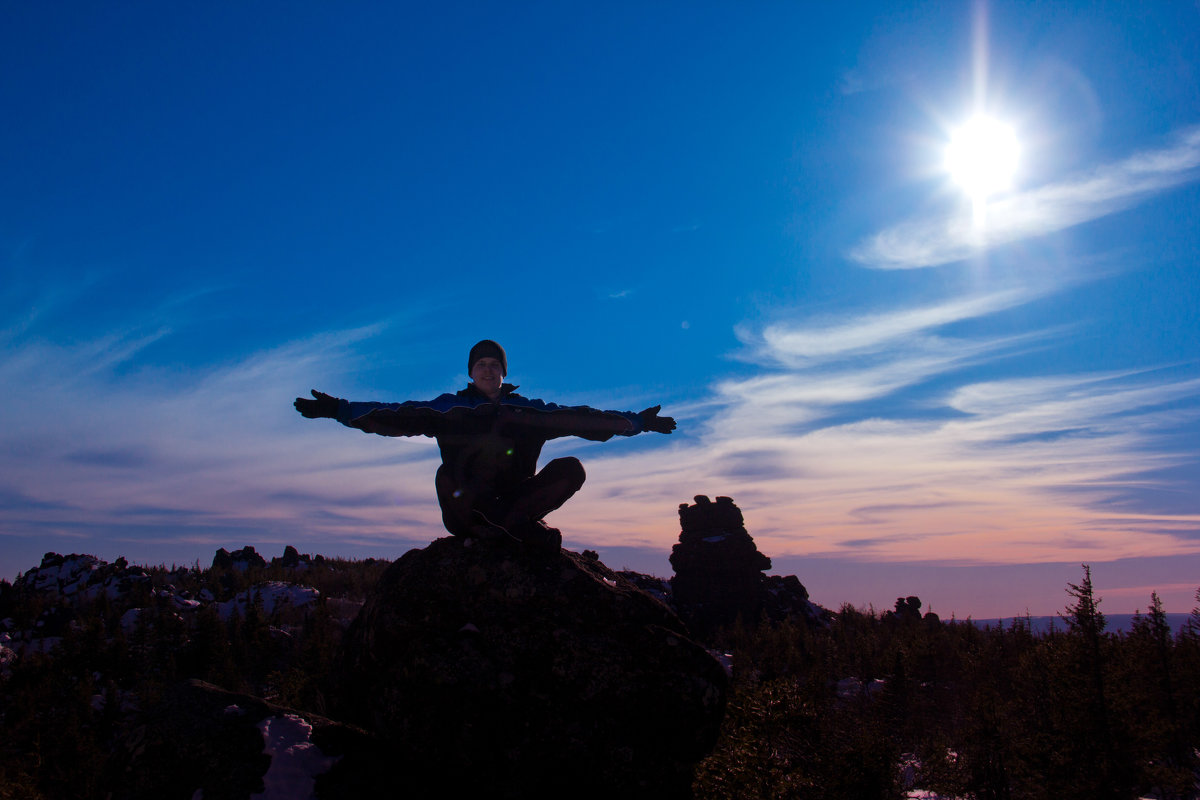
(740, 211)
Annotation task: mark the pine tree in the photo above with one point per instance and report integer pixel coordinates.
(1084, 616)
(1100, 767)
(1154, 676)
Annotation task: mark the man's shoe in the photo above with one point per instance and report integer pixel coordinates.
(539, 536)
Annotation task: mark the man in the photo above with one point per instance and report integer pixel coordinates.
(490, 438)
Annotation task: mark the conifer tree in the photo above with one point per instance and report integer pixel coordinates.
(1100, 767)
(1084, 617)
(1169, 753)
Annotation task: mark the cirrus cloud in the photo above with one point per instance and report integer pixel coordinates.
(946, 238)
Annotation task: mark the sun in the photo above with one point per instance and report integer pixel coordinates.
(982, 157)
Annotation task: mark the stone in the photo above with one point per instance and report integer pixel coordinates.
(489, 668)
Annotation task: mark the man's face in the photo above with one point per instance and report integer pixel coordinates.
(488, 375)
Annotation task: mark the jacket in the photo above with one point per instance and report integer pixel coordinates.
(485, 444)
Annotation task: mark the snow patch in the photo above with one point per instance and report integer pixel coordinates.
(184, 604)
(295, 760)
(274, 596)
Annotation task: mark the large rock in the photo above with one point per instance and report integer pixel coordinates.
(492, 669)
(719, 574)
(718, 568)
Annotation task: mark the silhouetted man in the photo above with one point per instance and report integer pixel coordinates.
(490, 438)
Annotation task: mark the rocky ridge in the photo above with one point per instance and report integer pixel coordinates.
(65, 583)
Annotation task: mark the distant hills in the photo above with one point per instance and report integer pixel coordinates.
(1115, 623)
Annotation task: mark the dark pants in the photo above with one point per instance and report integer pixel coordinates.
(532, 499)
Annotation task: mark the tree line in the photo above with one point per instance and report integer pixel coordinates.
(966, 712)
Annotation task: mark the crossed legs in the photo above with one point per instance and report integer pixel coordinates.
(533, 499)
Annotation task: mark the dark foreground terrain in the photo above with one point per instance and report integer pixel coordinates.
(855, 704)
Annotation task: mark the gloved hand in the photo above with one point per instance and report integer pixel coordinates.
(651, 421)
(324, 405)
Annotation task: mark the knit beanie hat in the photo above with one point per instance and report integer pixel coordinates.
(488, 349)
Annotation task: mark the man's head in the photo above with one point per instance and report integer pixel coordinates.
(491, 349)
(487, 365)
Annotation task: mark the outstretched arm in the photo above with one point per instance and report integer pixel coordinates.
(323, 406)
(552, 421)
(411, 418)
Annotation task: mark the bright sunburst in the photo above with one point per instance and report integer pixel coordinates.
(982, 157)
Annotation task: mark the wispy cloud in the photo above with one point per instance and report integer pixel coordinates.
(201, 456)
(826, 364)
(793, 345)
(950, 237)
(868, 437)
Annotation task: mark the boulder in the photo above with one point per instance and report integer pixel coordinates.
(489, 668)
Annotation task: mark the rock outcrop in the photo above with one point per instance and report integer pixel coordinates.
(718, 568)
(241, 560)
(294, 559)
(67, 584)
(719, 573)
(490, 669)
(82, 577)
